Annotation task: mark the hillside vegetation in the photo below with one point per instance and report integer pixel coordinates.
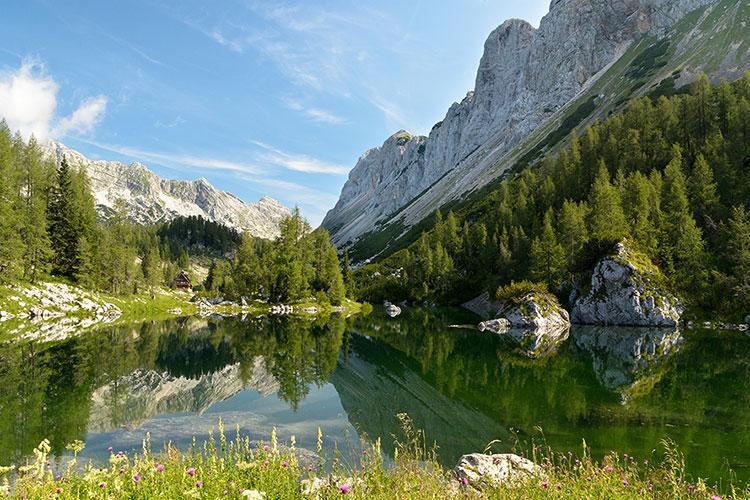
(669, 174)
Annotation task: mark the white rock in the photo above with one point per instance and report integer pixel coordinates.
(622, 294)
(500, 469)
(392, 310)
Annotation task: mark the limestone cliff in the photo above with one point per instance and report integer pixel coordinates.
(531, 85)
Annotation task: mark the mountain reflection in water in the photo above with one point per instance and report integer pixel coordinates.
(620, 389)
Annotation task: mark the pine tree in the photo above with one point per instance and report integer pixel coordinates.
(151, 265)
(737, 255)
(606, 218)
(10, 239)
(684, 238)
(547, 255)
(702, 191)
(334, 282)
(346, 273)
(34, 219)
(572, 230)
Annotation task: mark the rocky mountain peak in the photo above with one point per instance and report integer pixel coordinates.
(150, 199)
(529, 83)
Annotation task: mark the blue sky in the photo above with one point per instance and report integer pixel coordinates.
(260, 97)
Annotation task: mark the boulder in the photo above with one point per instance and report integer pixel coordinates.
(535, 321)
(747, 319)
(627, 290)
(536, 311)
(495, 470)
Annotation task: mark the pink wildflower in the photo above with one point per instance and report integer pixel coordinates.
(344, 488)
(160, 468)
(191, 471)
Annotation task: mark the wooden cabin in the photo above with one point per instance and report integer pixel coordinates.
(182, 282)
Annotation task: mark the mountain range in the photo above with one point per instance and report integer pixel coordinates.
(585, 61)
(150, 199)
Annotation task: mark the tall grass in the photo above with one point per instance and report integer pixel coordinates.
(224, 467)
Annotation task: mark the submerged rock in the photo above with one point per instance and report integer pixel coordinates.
(627, 290)
(495, 470)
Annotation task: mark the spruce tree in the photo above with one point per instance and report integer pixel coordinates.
(63, 227)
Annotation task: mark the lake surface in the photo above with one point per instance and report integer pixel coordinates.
(619, 389)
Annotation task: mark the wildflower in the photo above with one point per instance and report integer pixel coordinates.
(226, 492)
(191, 471)
(691, 488)
(588, 479)
(609, 469)
(645, 462)
(160, 468)
(266, 462)
(58, 491)
(285, 463)
(624, 482)
(465, 481)
(344, 488)
(122, 470)
(650, 487)
(109, 449)
(137, 478)
(266, 447)
(558, 486)
(545, 484)
(715, 497)
(199, 484)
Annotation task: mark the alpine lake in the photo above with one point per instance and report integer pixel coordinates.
(619, 389)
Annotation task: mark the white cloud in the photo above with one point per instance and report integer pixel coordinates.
(172, 159)
(83, 119)
(299, 163)
(28, 103)
(315, 114)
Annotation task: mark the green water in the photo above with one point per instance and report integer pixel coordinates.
(619, 389)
